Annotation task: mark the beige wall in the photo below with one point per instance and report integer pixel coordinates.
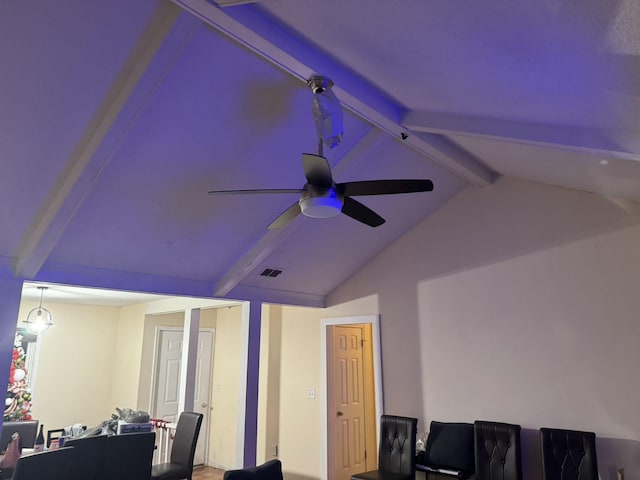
(300, 447)
(127, 357)
(76, 368)
(269, 383)
(516, 302)
(225, 387)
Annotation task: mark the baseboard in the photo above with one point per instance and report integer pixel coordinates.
(218, 466)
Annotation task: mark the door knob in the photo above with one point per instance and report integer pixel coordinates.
(204, 405)
(340, 413)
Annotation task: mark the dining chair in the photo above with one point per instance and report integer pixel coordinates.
(49, 465)
(27, 429)
(497, 451)
(397, 451)
(568, 454)
(183, 449)
(129, 456)
(270, 470)
(449, 451)
(89, 457)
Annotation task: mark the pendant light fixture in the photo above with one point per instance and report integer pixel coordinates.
(39, 319)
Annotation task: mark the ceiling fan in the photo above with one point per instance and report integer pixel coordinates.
(321, 197)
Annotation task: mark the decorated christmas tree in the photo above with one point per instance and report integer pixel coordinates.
(18, 400)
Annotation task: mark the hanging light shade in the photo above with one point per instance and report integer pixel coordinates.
(39, 319)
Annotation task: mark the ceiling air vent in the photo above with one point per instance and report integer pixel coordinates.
(271, 272)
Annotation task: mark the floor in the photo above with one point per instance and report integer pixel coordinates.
(207, 473)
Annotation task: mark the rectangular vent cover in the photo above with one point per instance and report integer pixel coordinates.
(271, 272)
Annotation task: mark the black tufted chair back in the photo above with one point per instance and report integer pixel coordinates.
(498, 451)
(568, 454)
(397, 452)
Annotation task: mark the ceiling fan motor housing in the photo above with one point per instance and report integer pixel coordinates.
(320, 203)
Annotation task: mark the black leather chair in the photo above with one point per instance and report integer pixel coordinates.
(397, 452)
(129, 456)
(88, 457)
(50, 465)
(271, 470)
(568, 454)
(27, 429)
(182, 450)
(449, 451)
(497, 450)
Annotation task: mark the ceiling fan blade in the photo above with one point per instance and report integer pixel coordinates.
(360, 212)
(317, 170)
(384, 187)
(260, 190)
(285, 217)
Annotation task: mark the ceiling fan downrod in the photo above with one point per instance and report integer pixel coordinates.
(327, 111)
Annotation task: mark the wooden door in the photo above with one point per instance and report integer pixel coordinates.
(346, 394)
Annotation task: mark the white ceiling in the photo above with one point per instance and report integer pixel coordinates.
(117, 118)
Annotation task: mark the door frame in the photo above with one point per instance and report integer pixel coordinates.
(154, 367)
(212, 330)
(374, 320)
(154, 370)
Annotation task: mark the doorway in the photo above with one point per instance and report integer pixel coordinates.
(353, 400)
(166, 382)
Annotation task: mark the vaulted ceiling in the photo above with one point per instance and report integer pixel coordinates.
(117, 118)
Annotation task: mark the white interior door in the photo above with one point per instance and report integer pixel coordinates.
(167, 382)
(202, 396)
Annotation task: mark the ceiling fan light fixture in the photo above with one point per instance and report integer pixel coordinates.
(321, 207)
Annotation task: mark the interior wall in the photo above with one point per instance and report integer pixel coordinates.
(127, 357)
(268, 440)
(516, 303)
(226, 387)
(300, 429)
(547, 339)
(76, 365)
